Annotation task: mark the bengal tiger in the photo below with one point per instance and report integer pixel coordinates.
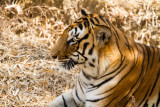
(115, 71)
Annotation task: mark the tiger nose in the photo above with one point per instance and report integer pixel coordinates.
(54, 56)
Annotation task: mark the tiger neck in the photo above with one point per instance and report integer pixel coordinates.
(116, 52)
(96, 65)
(109, 58)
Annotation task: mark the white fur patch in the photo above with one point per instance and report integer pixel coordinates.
(81, 33)
(71, 36)
(103, 64)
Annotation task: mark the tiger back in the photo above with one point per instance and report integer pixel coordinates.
(115, 71)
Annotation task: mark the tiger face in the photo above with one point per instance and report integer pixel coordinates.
(81, 43)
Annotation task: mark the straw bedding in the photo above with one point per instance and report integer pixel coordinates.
(28, 29)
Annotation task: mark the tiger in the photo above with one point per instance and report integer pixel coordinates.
(114, 70)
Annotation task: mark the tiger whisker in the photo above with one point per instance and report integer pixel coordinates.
(67, 63)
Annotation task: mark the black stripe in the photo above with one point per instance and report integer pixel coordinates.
(85, 37)
(116, 31)
(70, 28)
(80, 86)
(118, 46)
(141, 69)
(77, 95)
(113, 77)
(153, 56)
(135, 62)
(83, 83)
(86, 24)
(84, 18)
(65, 104)
(85, 47)
(86, 76)
(158, 54)
(80, 26)
(77, 36)
(82, 55)
(91, 64)
(158, 100)
(153, 105)
(135, 59)
(127, 42)
(110, 101)
(101, 17)
(96, 20)
(89, 30)
(158, 74)
(83, 12)
(123, 78)
(70, 41)
(103, 82)
(75, 102)
(125, 75)
(114, 70)
(91, 88)
(98, 99)
(159, 58)
(157, 51)
(145, 105)
(92, 20)
(93, 60)
(121, 101)
(74, 55)
(76, 30)
(148, 51)
(71, 33)
(108, 22)
(148, 56)
(91, 15)
(91, 50)
(143, 57)
(79, 20)
(77, 50)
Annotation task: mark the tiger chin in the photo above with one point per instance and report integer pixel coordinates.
(115, 71)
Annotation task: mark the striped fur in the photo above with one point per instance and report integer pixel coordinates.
(115, 70)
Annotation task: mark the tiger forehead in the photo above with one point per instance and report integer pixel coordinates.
(76, 23)
(81, 20)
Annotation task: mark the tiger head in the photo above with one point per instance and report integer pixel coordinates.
(82, 43)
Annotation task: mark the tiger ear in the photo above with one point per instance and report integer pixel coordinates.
(102, 35)
(83, 13)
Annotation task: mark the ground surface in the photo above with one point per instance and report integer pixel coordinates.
(28, 29)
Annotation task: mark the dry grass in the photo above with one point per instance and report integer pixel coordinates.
(28, 75)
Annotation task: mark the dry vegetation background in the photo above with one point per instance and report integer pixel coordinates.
(29, 28)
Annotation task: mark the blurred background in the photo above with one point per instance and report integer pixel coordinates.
(29, 28)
